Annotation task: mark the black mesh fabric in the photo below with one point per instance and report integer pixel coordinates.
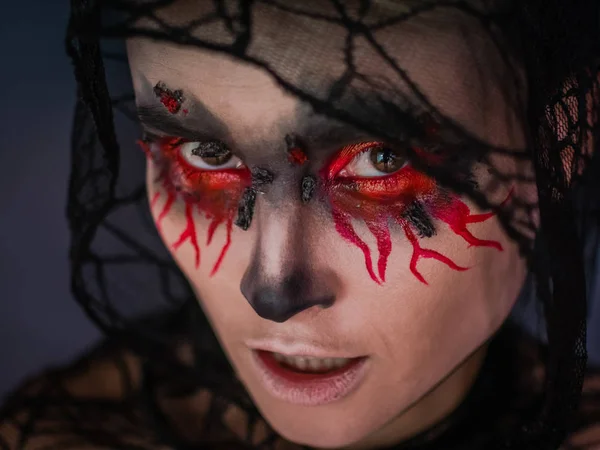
(543, 56)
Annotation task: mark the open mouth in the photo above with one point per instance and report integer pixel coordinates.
(309, 381)
(306, 364)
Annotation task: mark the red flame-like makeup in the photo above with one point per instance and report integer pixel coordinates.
(377, 200)
(213, 193)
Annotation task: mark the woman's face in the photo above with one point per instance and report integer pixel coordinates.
(349, 253)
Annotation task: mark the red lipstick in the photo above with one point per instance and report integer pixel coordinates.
(305, 388)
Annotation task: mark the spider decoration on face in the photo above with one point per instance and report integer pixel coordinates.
(308, 187)
(260, 177)
(297, 157)
(172, 100)
(296, 154)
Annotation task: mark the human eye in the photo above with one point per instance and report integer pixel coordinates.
(375, 171)
(196, 167)
(209, 156)
(374, 159)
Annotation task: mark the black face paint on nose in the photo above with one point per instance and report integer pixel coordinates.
(279, 300)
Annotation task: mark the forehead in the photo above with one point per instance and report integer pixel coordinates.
(446, 54)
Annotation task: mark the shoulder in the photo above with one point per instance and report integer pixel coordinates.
(530, 353)
(587, 434)
(87, 405)
(96, 403)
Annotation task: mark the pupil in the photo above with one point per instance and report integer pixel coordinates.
(217, 159)
(386, 160)
(213, 153)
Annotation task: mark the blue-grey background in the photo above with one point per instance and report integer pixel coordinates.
(40, 325)
(39, 322)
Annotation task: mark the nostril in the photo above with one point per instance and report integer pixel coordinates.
(276, 304)
(278, 297)
(265, 302)
(325, 302)
(279, 304)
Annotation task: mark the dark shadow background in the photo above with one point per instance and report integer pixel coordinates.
(40, 324)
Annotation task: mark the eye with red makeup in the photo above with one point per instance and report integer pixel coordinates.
(368, 181)
(207, 177)
(375, 183)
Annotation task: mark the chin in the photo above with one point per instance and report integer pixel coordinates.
(320, 428)
(331, 437)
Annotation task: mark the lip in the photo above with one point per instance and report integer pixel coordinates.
(308, 389)
(297, 349)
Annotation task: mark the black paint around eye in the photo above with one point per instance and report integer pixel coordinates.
(260, 177)
(420, 220)
(246, 209)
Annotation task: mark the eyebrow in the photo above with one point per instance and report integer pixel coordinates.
(382, 120)
(313, 130)
(321, 134)
(205, 124)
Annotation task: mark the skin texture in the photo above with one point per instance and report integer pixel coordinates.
(425, 342)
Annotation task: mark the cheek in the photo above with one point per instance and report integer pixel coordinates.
(456, 315)
(405, 322)
(211, 254)
(198, 233)
(412, 214)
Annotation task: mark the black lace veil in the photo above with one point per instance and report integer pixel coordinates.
(542, 56)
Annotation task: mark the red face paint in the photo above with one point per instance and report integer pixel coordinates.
(172, 100)
(296, 155)
(215, 194)
(377, 200)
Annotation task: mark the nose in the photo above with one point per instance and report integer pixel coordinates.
(282, 299)
(282, 280)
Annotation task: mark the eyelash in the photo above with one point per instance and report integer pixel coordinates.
(406, 196)
(406, 185)
(187, 178)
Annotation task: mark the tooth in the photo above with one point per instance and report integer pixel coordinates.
(310, 364)
(302, 363)
(289, 360)
(314, 363)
